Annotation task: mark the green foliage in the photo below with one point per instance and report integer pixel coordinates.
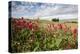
(55, 20)
(26, 40)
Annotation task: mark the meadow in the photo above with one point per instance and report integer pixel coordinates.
(42, 35)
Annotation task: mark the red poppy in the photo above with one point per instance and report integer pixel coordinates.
(74, 32)
(30, 26)
(59, 26)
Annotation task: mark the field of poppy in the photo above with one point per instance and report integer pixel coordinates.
(35, 35)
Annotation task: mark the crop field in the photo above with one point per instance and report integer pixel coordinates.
(42, 35)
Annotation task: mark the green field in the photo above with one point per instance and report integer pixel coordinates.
(43, 35)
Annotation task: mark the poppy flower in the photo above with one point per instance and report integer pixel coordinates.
(74, 32)
(30, 26)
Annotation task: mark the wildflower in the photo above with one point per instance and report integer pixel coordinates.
(74, 32)
(55, 26)
(30, 26)
(59, 26)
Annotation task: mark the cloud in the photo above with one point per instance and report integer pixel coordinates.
(33, 9)
(57, 10)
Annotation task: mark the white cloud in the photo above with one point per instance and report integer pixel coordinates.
(30, 9)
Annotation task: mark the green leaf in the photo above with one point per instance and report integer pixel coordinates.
(58, 42)
(37, 46)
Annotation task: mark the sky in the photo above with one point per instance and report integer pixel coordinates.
(43, 10)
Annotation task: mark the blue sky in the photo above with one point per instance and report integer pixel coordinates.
(43, 10)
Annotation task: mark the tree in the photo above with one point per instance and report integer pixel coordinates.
(55, 19)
